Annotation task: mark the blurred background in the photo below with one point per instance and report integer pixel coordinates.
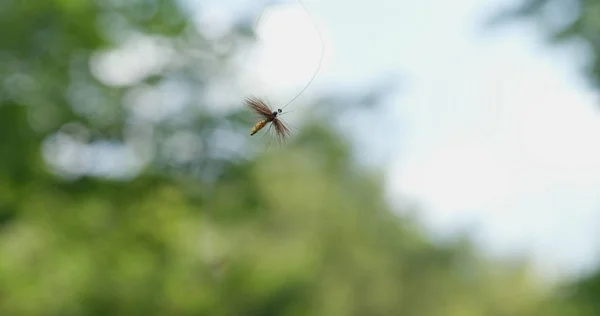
(445, 161)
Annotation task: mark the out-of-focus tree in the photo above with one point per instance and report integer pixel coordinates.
(586, 293)
(570, 21)
(564, 21)
(124, 192)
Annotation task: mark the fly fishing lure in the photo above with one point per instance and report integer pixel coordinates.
(262, 109)
(269, 116)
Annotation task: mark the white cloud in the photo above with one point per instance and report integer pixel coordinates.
(507, 141)
(460, 177)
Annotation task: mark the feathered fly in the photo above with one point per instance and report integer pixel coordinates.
(268, 116)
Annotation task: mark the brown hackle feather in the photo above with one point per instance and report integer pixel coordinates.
(259, 107)
(282, 131)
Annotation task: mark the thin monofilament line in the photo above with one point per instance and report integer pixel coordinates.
(320, 58)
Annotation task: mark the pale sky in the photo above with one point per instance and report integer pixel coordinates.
(493, 130)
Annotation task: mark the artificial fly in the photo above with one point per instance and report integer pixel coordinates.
(269, 116)
(262, 109)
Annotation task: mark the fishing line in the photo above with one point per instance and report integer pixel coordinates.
(320, 58)
(271, 117)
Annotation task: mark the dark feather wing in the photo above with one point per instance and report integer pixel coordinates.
(258, 106)
(282, 131)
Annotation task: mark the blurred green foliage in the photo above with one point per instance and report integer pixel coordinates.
(564, 21)
(578, 22)
(184, 221)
